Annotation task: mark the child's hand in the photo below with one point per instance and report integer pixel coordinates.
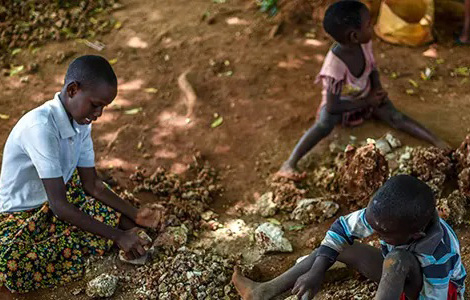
(151, 217)
(132, 244)
(308, 285)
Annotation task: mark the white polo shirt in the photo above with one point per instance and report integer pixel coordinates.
(43, 144)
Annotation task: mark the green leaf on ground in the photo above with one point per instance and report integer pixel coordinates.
(151, 90)
(413, 83)
(273, 221)
(133, 111)
(296, 227)
(217, 122)
(16, 70)
(15, 51)
(113, 61)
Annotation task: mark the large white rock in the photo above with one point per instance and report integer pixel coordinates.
(270, 238)
(102, 286)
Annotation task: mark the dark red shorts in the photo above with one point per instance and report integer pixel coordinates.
(451, 295)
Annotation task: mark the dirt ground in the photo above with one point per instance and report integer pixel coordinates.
(262, 86)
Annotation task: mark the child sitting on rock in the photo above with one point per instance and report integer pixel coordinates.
(54, 209)
(420, 257)
(352, 91)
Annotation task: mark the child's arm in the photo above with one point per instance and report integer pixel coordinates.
(375, 83)
(94, 186)
(128, 241)
(342, 233)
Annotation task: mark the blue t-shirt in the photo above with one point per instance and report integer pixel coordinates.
(438, 252)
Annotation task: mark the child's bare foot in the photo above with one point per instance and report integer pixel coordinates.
(287, 171)
(248, 289)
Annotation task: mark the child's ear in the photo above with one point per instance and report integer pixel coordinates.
(353, 37)
(72, 89)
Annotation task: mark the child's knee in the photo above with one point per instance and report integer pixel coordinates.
(399, 262)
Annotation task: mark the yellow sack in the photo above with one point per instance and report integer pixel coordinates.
(394, 29)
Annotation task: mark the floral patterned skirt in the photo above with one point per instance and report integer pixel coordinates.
(37, 250)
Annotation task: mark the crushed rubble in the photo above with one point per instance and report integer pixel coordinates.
(185, 274)
(270, 238)
(102, 286)
(286, 193)
(184, 201)
(349, 289)
(314, 210)
(265, 205)
(364, 171)
(28, 24)
(453, 207)
(461, 157)
(430, 164)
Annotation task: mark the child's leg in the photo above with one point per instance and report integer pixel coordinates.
(399, 271)
(389, 114)
(322, 127)
(366, 259)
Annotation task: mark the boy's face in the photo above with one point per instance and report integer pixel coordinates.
(365, 33)
(393, 234)
(86, 104)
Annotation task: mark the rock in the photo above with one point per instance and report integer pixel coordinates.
(265, 205)
(77, 291)
(270, 238)
(431, 165)
(286, 193)
(172, 237)
(364, 171)
(311, 210)
(453, 207)
(392, 141)
(102, 286)
(208, 215)
(383, 146)
(462, 158)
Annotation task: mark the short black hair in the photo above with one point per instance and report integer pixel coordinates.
(341, 16)
(403, 200)
(90, 70)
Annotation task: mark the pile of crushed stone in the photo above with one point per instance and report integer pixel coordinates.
(462, 164)
(185, 274)
(364, 171)
(286, 193)
(30, 23)
(183, 200)
(350, 289)
(430, 164)
(357, 173)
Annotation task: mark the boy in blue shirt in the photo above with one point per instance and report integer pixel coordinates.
(420, 257)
